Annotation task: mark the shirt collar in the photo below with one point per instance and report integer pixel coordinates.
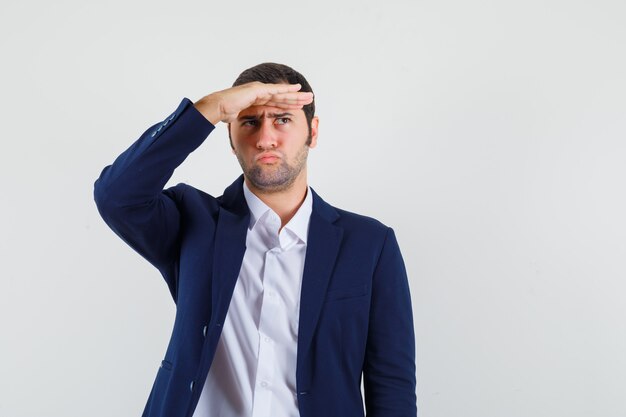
(299, 223)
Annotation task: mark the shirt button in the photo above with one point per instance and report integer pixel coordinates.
(191, 386)
(204, 331)
(264, 384)
(267, 339)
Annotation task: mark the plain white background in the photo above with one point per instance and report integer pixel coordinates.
(489, 134)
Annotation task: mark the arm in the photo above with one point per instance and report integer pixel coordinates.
(389, 368)
(129, 193)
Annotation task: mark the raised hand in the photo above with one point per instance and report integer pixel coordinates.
(226, 104)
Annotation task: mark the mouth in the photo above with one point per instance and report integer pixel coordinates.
(267, 157)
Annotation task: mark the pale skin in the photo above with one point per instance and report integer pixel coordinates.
(267, 119)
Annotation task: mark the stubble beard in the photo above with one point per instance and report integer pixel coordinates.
(277, 177)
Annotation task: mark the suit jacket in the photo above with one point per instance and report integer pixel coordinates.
(355, 307)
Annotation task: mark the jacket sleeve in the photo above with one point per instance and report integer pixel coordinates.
(389, 379)
(129, 193)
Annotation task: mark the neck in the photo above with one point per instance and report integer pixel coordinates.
(285, 202)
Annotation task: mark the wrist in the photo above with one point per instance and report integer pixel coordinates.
(209, 107)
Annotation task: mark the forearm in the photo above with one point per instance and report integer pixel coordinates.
(129, 193)
(209, 107)
(139, 174)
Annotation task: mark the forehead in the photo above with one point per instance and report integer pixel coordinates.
(268, 111)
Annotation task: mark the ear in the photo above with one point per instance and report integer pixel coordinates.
(314, 123)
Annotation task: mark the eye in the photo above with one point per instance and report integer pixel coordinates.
(248, 121)
(287, 119)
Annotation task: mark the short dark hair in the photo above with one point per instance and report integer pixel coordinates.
(273, 73)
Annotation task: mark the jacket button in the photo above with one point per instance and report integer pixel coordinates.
(191, 386)
(204, 331)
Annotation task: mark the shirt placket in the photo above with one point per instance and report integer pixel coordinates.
(270, 308)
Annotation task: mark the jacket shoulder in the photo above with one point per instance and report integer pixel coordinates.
(350, 220)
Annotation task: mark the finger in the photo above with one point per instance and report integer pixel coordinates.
(284, 101)
(282, 88)
(284, 105)
(291, 98)
(300, 95)
(297, 102)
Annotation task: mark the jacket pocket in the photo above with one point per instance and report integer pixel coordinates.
(347, 292)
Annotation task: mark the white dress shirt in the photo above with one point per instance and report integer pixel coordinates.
(253, 373)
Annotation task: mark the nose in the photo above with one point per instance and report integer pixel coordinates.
(266, 135)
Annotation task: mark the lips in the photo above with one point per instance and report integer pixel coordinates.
(267, 157)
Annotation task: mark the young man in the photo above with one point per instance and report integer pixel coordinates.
(283, 302)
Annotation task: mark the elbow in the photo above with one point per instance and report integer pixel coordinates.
(102, 198)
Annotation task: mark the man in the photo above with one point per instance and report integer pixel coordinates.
(283, 302)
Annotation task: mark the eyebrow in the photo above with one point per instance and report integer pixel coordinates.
(254, 116)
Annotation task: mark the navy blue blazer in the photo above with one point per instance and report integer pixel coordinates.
(355, 308)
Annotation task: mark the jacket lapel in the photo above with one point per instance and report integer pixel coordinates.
(230, 246)
(323, 243)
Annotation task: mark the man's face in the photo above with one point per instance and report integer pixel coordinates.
(270, 145)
